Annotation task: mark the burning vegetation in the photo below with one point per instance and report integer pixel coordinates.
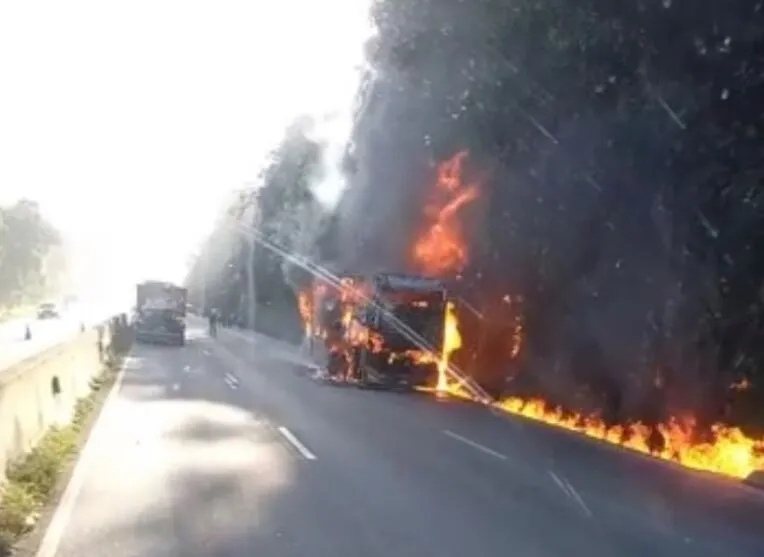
(722, 449)
(441, 250)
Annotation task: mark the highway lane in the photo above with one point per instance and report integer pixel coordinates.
(13, 329)
(632, 497)
(46, 333)
(227, 447)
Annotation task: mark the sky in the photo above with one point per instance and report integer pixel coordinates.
(131, 122)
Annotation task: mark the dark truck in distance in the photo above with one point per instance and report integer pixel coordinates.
(160, 313)
(48, 310)
(407, 314)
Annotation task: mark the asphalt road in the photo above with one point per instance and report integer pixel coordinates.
(227, 447)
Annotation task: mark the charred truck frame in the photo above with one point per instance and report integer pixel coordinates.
(330, 307)
(384, 330)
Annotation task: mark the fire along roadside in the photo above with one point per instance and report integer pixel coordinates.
(732, 459)
(731, 454)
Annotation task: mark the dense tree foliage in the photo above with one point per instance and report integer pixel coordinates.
(30, 255)
(246, 269)
(621, 149)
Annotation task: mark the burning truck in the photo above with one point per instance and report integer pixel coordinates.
(383, 330)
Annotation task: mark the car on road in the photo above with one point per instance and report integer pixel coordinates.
(48, 310)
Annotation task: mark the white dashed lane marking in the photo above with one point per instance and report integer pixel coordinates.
(231, 380)
(475, 445)
(296, 443)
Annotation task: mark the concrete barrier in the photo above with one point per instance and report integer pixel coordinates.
(41, 391)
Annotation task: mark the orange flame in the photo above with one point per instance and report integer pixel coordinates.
(726, 450)
(729, 452)
(452, 341)
(441, 248)
(305, 307)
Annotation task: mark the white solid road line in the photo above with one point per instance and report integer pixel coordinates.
(568, 489)
(579, 500)
(61, 516)
(475, 445)
(561, 484)
(295, 442)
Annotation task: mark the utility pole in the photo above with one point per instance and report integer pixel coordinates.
(251, 292)
(251, 217)
(205, 280)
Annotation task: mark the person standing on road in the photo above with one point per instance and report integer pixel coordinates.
(213, 321)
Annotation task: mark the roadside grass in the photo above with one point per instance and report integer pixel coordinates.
(32, 480)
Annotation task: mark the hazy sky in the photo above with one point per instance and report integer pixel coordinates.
(131, 121)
